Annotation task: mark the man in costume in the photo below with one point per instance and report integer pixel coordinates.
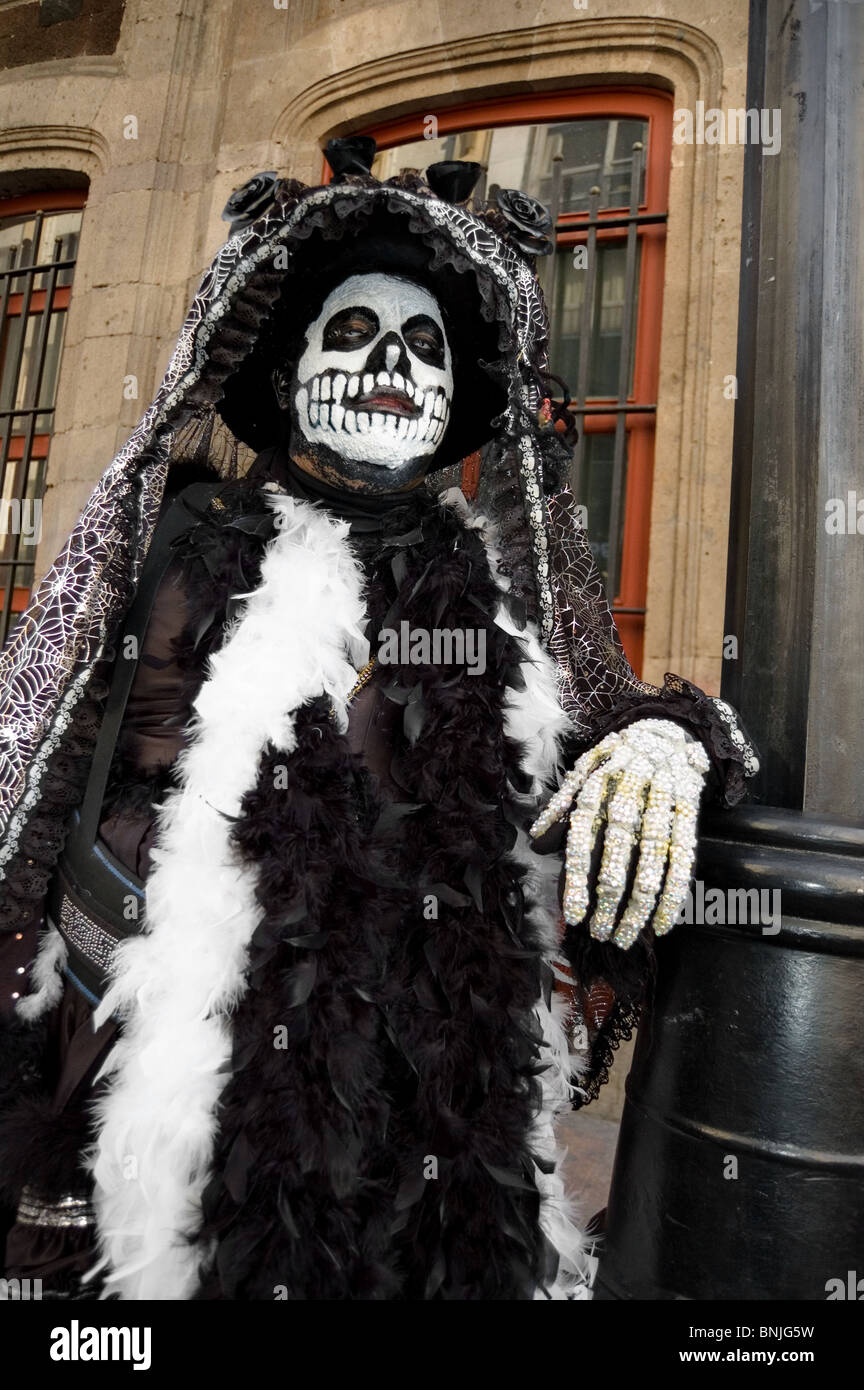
(282, 895)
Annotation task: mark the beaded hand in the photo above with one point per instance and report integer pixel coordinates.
(645, 783)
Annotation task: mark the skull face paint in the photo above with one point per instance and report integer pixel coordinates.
(375, 382)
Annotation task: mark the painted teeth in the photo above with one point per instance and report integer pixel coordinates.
(430, 424)
(344, 390)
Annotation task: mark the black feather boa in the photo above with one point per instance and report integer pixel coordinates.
(375, 1133)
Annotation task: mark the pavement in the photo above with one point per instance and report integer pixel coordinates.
(590, 1143)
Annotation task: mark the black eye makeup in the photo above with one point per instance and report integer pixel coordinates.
(425, 339)
(350, 328)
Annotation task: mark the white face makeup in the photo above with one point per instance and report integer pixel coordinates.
(375, 381)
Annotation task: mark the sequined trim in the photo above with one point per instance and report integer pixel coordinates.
(65, 1211)
(738, 737)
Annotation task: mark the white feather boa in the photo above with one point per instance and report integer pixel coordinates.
(174, 986)
(46, 985)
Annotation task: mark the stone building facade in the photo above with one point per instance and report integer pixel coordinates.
(155, 110)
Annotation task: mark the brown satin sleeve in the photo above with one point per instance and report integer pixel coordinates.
(159, 707)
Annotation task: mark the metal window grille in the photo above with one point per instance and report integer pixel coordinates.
(587, 401)
(592, 170)
(38, 248)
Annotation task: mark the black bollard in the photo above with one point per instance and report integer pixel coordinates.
(740, 1163)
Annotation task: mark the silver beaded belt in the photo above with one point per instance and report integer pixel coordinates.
(87, 936)
(95, 903)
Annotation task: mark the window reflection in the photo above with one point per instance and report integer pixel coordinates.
(594, 491)
(559, 164)
(606, 321)
(58, 241)
(572, 156)
(583, 171)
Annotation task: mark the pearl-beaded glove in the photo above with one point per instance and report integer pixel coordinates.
(645, 784)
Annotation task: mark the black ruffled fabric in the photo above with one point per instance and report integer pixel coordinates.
(629, 977)
(219, 559)
(29, 871)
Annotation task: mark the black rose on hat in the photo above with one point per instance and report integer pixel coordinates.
(529, 221)
(248, 202)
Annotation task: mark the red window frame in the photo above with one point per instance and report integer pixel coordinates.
(57, 200)
(656, 108)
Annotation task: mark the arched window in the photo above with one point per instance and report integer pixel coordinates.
(38, 246)
(600, 160)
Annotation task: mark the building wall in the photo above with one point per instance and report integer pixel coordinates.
(198, 95)
(32, 31)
